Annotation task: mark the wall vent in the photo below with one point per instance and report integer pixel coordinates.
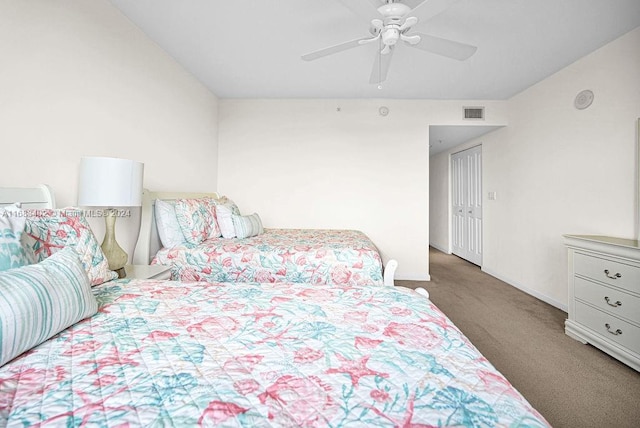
(473, 113)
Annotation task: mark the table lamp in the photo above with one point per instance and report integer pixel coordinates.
(111, 183)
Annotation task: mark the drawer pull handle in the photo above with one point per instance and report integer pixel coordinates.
(616, 276)
(615, 305)
(615, 333)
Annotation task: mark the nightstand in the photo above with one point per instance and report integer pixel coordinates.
(147, 272)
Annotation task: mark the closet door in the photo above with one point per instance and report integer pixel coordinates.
(466, 181)
(458, 200)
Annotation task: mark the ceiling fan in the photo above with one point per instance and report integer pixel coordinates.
(391, 22)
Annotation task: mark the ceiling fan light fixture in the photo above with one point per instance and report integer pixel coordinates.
(394, 9)
(408, 23)
(390, 36)
(412, 40)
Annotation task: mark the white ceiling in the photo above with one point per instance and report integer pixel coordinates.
(252, 48)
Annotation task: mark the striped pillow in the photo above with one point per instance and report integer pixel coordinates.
(247, 225)
(12, 253)
(40, 300)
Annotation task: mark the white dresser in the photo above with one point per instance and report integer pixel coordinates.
(604, 295)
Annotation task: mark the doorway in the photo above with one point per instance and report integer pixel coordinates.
(466, 200)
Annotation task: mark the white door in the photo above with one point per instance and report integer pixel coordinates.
(466, 182)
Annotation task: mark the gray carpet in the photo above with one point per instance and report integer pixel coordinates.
(571, 384)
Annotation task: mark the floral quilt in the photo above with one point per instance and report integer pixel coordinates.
(312, 256)
(163, 353)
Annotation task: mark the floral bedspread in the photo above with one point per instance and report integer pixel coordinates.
(312, 256)
(163, 353)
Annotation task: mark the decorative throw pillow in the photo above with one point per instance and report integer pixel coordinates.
(12, 253)
(225, 208)
(196, 218)
(247, 225)
(53, 230)
(215, 228)
(167, 224)
(40, 300)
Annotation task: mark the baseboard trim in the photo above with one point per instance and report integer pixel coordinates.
(439, 248)
(527, 290)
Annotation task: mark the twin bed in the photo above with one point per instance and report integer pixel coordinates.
(277, 255)
(179, 353)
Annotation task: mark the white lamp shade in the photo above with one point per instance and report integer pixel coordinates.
(110, 182)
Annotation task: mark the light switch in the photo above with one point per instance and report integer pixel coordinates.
(492, 196)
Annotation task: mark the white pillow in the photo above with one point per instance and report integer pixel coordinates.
(40, 300)
(167, 224)
(225, 222)
(225, 207)
(247, 225)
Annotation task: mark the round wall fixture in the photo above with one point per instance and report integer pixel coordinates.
(583, 99)
(383, 111)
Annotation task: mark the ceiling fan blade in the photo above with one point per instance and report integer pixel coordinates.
(430, 8)
(381, 66)
(337, 48)
(362, 8)
(444, 47)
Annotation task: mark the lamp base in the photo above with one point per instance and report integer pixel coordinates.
(115, 255)
(121, 273)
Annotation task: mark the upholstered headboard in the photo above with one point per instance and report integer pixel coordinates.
(30, 197)
(149, 240)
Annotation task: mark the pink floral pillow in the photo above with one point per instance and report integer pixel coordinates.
(48, 231)
(197, 219)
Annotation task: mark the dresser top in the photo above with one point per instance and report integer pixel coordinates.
(611, 240)
(628, 248)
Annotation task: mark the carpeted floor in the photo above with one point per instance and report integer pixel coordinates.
(571, 384)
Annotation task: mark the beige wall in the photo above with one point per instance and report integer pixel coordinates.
(338, 164)
(78, 79)
(558, 170)
(439, 201)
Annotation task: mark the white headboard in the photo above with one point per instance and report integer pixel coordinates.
(30, 197)
(149, 240)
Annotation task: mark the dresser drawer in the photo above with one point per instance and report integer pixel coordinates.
(607, 271)
(628, 335)
(607, 299)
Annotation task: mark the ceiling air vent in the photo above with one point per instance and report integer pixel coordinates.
(473, 113)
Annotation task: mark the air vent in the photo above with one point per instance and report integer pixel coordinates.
(473, 113)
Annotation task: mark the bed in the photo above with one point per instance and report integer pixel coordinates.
(30, 198)
(178, 354)
(169, 353)
(277, 255)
